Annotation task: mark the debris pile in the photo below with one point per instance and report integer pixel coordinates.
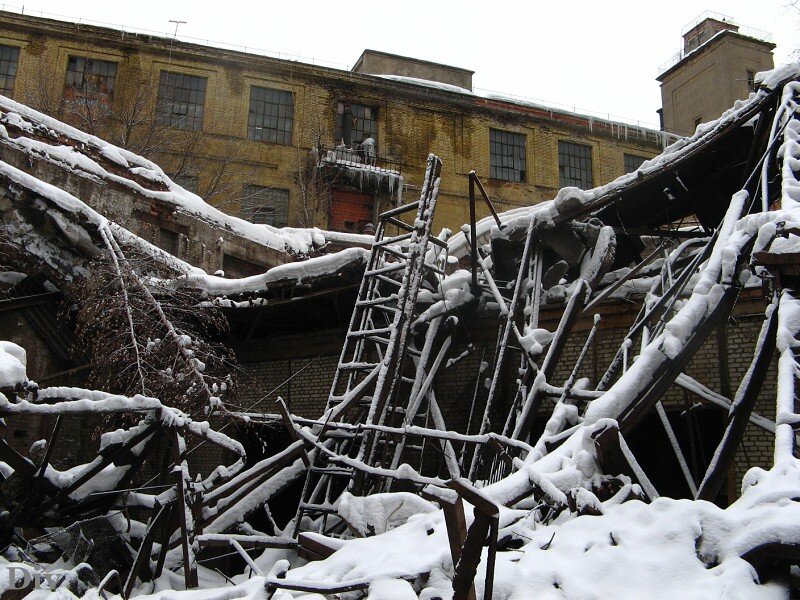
(397, 503)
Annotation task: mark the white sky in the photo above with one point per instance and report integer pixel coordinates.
(599, 57)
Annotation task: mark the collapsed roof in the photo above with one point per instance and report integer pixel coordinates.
(501, 514)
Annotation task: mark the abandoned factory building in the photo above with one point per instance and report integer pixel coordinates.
(238, 128)
(267, 140)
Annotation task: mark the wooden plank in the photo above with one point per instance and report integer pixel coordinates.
(454, 519)
(464, 577)
(169, 518)
(142, 561)
(289, 425)
(187, 534)
(111, 455)
(316, 545)
(740, 412)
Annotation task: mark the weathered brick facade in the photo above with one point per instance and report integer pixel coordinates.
(412, 120)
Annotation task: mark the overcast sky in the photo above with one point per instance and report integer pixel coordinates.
(599, 57)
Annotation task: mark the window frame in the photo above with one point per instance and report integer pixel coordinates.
(9, 55)
(283, 115)
(88, 87)
(278, 206)
(166, 113)
(504, 165)
(628, 160)
(360, 119)
(581, 162)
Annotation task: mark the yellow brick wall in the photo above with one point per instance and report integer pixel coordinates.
(411, 121)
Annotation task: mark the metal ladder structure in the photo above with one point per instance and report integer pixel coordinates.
(373, 372)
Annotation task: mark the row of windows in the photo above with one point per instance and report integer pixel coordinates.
(181, 102)
(507, 160)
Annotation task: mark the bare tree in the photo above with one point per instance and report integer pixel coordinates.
(154, 341)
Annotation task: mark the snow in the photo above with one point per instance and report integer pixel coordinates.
(379, 513)
(74, 157)
(12, 365)
(296, 272)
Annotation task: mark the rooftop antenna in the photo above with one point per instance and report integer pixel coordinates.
(177, 23)
(174, 37)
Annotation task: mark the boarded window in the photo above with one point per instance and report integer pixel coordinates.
(507, 160)
(180, 100)
(265, 205)
(271, 115)
(90, 80)
(633, 162)
(364, 125)
(575, 165)
(9, 59)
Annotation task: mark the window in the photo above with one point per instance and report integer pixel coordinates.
(271, 115)
(168, 241)
(187, 182)
(364, 125)
(751, 81)
(9, 58)
(180, 100)
(697, 122)
(506, 155)
(89, 80)
(265, 205)
(235, 267)
(633, 162)
(574, 165)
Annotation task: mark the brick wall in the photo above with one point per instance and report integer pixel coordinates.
(306, 393)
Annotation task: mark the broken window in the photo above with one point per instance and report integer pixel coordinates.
(506, 155)
(271, 115)
(9, 58)
(180, 100)
(265, 205)
(364, 122)
(89, 80)
(574, 165)
(633, 162)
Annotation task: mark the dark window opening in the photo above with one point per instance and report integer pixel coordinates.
(507, 158)
(180, 100)
(364, 123)
(169, 241)
(751, 81)
(575, 165)
(235, 267)
(265, 205)
(9, 59)
(271, 115)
